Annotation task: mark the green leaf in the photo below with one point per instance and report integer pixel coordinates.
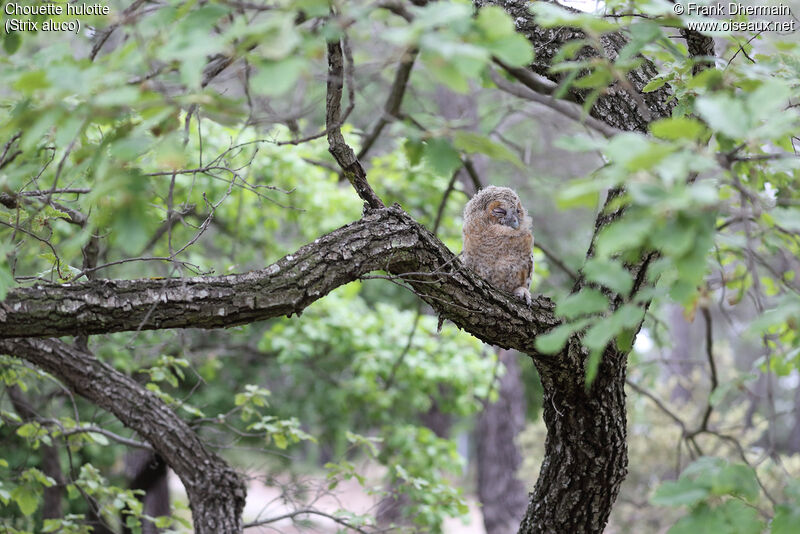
(6, 279)
(622, 235)
(551, 16)
(654, 84)
(515, 50)
(98, 438)
(28, 429)
(725, 114)
(414, 150)
(770, 97)
(592, 366)
(598, 336)
(736, 479)
(31, 81)
(11, 42)
(678, 493)
(280, 441)
(441, 156)
(441, 14)
(675, 128)
(586, 301)
(117, 96)
(579, 193)
(494, 22)
(701, 519)
(609, 273)
(26, 498)
(274, 78)
(740, 518)
(675, 238)
(554, 340)
(786, 519)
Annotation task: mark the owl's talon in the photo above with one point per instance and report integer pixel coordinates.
(523, 294)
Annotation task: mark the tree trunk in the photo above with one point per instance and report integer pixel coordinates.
(585, 451)
(503, 496)
(147, 471)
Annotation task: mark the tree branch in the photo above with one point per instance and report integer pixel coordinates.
(338, 147)
(618, 106)
(385, 239)
(216, 493)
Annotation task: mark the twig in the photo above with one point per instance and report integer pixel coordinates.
(556, 261)
(399, 361)
(711, 364)
(473, 174)
(338, 147)
(292, 515)
(443, 203)
(554, 104)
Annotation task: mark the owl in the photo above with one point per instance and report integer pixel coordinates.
(498, 242)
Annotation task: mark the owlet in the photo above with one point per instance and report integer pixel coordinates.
(498, 243)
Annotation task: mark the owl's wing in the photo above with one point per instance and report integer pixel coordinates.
(528, 268)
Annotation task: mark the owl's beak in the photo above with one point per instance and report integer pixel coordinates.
(512, 221)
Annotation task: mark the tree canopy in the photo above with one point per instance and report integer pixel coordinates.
(230, 235)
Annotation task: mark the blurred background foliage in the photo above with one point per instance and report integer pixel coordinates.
(125, 151)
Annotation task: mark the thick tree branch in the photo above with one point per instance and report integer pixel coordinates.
(338, 147)
(619, 107)
(385, 239)
(216, 493)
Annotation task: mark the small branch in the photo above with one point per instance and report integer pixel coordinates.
(473, 174)
(658, 402)
(443, 203)
(711, 364)
(308, 511)
(528, 79)
(338, 147)
(568, 110)
(102, 37)
(85, 429)
(399, 361)
(556, 261)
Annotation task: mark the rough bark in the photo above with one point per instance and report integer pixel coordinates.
(384, 239)
(216, 493)
(501, 493)
(585, 452)
(617, 106)
(585, 457)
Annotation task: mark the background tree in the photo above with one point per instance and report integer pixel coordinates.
(176, 143)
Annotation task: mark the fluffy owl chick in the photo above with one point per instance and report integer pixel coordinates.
(498, 243)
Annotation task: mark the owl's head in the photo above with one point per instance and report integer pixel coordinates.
(497, 205)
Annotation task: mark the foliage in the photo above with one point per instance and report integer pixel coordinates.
(136, 162)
